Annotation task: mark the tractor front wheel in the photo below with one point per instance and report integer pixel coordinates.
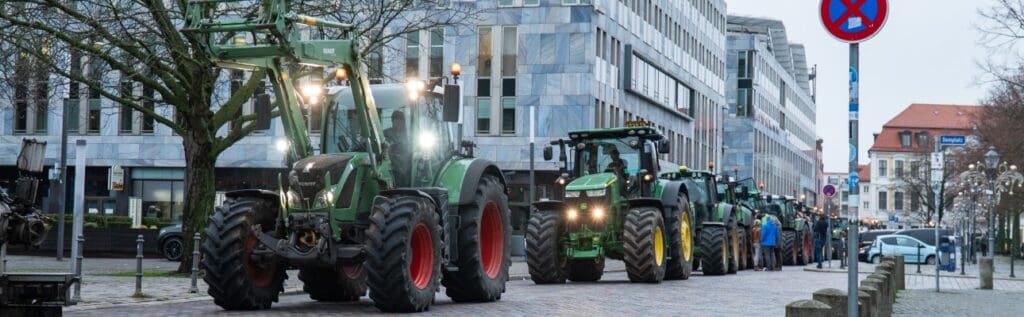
(789, 247)
(237, 279)
(714, 250)
(643, 240)
(542, 248)
(484, 246)
(585, 270)
(679, 227)
(403, 262)
(734, 250)
(744, 242)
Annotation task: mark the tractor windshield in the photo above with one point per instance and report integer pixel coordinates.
(607, 155)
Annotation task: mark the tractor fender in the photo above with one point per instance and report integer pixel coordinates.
(410, 192)
(723, 213)
(461, 177)
(549, 205)
(669, 194)
(644, 202)
(256, 193)
(744, 217)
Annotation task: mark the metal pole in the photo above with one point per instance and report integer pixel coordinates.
(918, 258)
(78, 269)
(195, 263)
(991, 218)
(938, 204)
(79, 213)
(828, 242)
(971, 224)
(963, 244)
(3, 258)
(138, 266)
(854, 187)
(62, 189)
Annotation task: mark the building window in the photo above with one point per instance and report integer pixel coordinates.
(31, 96)
(905, 139)
(375, 69)
(883, 202)
(883, 168)
(484, 68)
(915, 202)
(915, 168)
(436, 66)
(897, 201)
(866, 190)
(412, 54)
(576, 2)
(898, 170)
(509, 49)
(922, 140)
(744, 67)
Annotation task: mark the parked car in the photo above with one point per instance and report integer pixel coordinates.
(868, 237)
(170, 242)
(926, 235)
(897, 244)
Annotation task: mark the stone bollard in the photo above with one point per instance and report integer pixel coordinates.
(899, 277)
(887, 284)
(985, 272)
(78, 269)
(874, 299)
(883, 302)
(808, 308)
(864, 307)
(834, 298)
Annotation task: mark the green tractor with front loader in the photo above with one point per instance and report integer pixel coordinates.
(398, 209)
(718, 223)
(732, 192)
(613, 205)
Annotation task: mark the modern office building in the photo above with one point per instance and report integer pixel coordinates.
(581, 64)
(900, 159)
(770, 129)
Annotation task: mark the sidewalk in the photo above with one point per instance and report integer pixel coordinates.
(967, 302)
(947, 280)
(111, 282)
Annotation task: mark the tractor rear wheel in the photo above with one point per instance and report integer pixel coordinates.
(643, 240)
(403, 262)
(237, 280)
(484, 246)
(585, 270)
(679, 227)
(714, 252)
(542, 248)
(734, 250)
(345, 283)
(788, 247)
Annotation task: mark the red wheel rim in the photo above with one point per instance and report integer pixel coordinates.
(421, 267)
(492, 240)
(260, 277)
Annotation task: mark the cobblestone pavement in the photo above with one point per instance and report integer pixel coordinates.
(763, 292)
(968, 302)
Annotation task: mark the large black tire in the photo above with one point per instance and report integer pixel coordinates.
(744, 242)
(236, 281)
(680, 262)
(788, 247)
(343, 284)
(734, 250)
(542, 248)
(585, 270)
(806, 254)
(714, 247)
(484, 246)
(403, 262)
(641, 230)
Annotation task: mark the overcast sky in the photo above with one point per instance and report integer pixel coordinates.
(928, 52)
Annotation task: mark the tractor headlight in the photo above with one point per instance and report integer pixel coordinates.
(596, 192)
(597, 213)
(324, 199)
(294, 199)
(571, 214)
(572, 193)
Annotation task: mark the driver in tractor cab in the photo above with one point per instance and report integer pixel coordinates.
(397, 137)
(617, 165)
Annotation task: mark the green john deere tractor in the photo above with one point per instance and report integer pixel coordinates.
(717, 222)
(796, 243)
(614, 206)
(731, 192)
(398, 208)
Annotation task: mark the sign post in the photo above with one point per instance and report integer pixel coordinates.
(853, 21)
(938, 164)
(829, 191)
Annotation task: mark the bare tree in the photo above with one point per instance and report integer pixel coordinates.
(140, 41)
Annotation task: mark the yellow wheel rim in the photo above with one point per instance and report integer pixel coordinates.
(735, 243)
(725, 254)
(659, 246)
(686, 237)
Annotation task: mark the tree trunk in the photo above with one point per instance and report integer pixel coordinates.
(200, 192)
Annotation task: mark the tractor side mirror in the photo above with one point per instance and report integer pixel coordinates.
(452, 96)
(548, 153)
(663, 147)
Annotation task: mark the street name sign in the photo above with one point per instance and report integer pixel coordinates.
(953, 140)
(854, 21)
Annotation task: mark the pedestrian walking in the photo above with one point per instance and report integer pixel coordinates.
(820, 234)
(756, 241)
(769, 235)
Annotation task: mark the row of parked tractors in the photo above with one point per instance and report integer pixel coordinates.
(661, 225)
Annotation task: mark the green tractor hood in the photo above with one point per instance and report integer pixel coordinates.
(591, 182)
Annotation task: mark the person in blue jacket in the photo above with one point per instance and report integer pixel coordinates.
(769, 234)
